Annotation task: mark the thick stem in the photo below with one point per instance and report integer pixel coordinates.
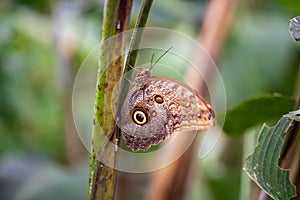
(102, 179)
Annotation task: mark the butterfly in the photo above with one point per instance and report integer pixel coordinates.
(157, 107)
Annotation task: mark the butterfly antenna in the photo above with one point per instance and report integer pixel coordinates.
(129, 65)
(133, 68)
(151, 61)
(159, 57)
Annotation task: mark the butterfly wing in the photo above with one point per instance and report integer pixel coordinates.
(151, 129)
(160, 107)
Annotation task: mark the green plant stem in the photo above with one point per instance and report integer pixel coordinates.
(137, 33)
(102, 179)
(134, 44)
(297, 85)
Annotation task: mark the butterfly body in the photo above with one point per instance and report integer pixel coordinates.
(156, 107)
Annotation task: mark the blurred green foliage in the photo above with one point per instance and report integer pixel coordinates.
(259, 57)
(30, 105)
(259, 110)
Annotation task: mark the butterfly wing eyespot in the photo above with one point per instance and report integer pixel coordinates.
(158, 99)
(139, 117)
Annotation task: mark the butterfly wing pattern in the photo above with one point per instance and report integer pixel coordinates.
(160, 106)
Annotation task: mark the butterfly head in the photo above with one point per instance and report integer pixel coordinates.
(142, 77)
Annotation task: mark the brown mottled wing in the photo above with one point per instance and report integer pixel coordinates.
(182, 109)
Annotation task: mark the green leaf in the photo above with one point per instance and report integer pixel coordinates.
(256, 110)
(262, 165)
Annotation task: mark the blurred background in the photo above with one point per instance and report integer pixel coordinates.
(42, 45)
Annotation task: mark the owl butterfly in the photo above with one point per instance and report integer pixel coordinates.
(156, 107)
